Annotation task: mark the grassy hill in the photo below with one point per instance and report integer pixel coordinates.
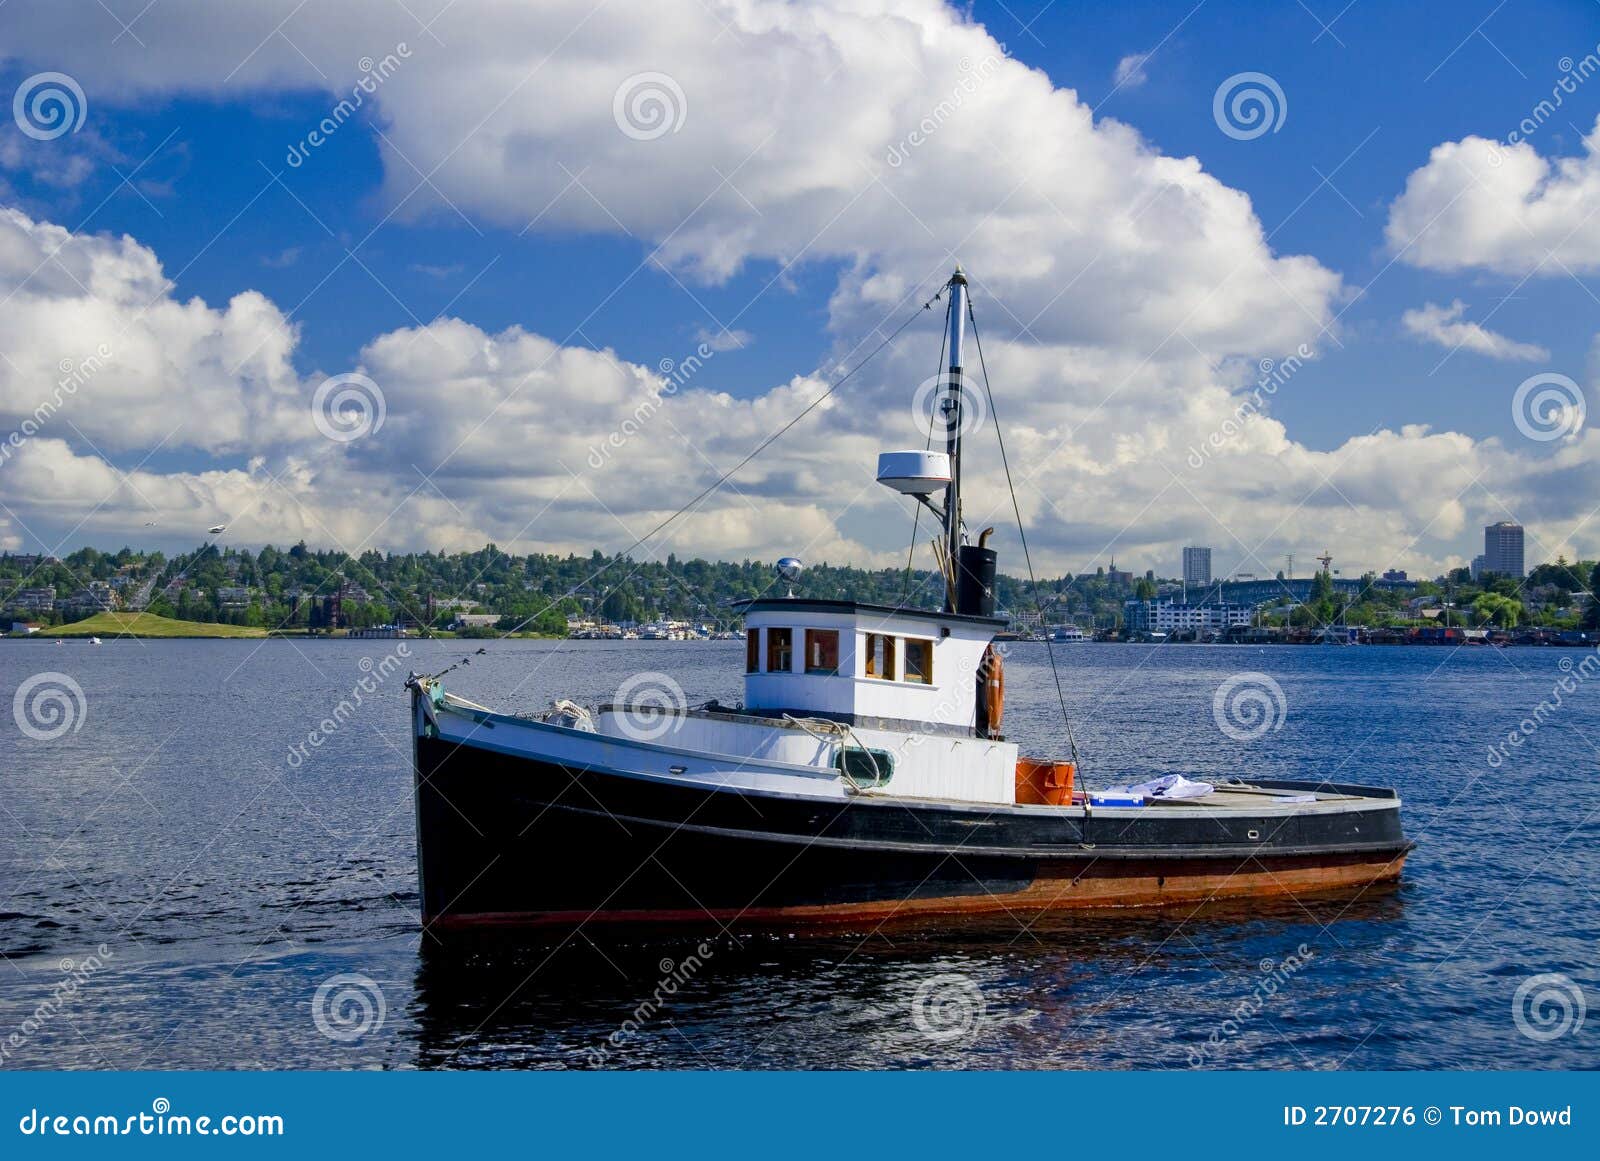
(147, 625)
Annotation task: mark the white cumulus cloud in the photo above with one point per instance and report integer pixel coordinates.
(1445, 326)
(1480, 204)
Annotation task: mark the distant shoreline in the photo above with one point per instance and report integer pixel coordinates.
(149, 627)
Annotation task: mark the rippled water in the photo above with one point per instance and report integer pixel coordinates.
(226, 885)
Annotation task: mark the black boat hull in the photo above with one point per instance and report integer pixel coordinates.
(511, 840)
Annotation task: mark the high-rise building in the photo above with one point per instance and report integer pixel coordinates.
(1197, 566)
(1502, 549)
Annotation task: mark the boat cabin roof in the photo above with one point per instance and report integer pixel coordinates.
(848, 608)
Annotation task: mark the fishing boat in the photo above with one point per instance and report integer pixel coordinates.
(863, 778)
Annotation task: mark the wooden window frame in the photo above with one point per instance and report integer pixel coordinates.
(752, 651)
(926, 676)
(780, 641)
(818, 635)
(870, 648)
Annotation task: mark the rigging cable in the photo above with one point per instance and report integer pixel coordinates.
(757, 450)
(1026, 555)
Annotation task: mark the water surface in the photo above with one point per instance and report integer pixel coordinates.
(228, 884)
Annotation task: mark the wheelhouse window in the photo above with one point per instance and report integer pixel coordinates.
(780, 650)
(919, 661)
(752, 651)
(879, 650)
(822, 651)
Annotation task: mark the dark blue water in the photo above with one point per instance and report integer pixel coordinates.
(204, 888)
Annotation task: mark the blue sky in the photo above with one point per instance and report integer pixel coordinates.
(1369, 91)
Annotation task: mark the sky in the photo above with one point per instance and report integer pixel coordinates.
(1273, 279)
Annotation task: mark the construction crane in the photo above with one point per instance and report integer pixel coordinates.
(1326, 561)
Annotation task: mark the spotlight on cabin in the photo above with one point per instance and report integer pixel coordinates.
(788, 570)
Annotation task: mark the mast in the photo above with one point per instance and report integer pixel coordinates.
(951, 408)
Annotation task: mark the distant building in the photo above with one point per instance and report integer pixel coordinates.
(1197, 567)
(1502, 549)
(1167, 616)
(1477, 567)
(1119, 578)
(1395, 574)
(98, 597)
(235, 596)
(28, 561)
(475, 620)
(28, 627)
(36, 600)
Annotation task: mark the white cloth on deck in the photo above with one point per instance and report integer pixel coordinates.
(1167, 786)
